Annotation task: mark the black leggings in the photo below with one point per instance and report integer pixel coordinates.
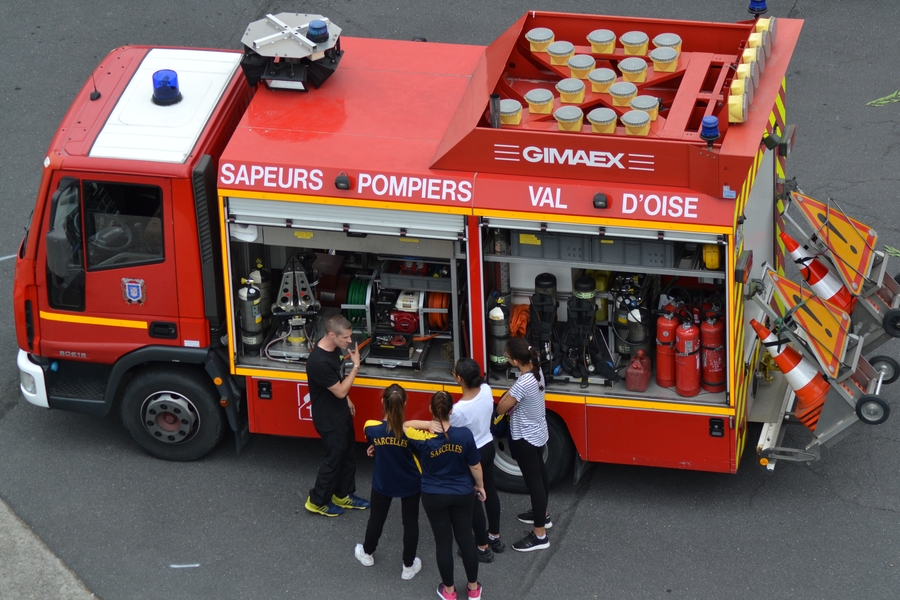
(491, 504)
(409, 511)
(450, 516)
(534, 472)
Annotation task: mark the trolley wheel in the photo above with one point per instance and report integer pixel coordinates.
(891, 322)
(887, 365)
(559, 452)
(173, 413)
(872, 410)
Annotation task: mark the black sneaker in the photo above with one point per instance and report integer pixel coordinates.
(528, 518)
(484, 556)
(496, 544)
(531, 542)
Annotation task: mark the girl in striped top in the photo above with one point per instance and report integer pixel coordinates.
(529, 435)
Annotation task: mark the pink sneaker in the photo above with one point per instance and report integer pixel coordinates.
(444, 594)
(474, 594)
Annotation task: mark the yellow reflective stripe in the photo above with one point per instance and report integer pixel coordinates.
(498, 392)
(661, 406)
(270, 374)
(564, 398)
(409, 386)
(779, 167)
(129, 324)
(779, 104)
(226, 260)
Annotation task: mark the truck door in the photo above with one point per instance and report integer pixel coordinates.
(110, 268)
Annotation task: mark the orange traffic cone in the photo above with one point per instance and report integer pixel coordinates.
(820, 279)
(808, 384)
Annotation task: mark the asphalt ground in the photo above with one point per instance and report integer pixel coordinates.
(28, 568)
(130, 526)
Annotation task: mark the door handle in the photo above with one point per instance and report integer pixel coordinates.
(164, 330)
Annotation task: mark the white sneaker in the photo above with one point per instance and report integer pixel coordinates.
(366, 559)
(410, 572)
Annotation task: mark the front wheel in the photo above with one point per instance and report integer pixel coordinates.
(872, 410)
(558, 455)
(173, 414)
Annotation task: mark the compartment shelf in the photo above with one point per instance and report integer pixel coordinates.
(503, 258)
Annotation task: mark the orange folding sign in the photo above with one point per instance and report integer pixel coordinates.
(851, 244)
(826, 326)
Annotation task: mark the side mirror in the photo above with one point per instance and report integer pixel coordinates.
(59, 250)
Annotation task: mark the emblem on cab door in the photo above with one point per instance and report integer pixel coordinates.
(133, 291)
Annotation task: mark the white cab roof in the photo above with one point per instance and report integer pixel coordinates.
(138, 129)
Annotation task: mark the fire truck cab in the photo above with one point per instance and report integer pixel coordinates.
(611, 188)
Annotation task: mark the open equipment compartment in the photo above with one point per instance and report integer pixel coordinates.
(398, 277)
(607, 293)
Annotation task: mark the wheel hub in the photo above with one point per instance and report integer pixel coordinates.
(873, 411)
(170, 417)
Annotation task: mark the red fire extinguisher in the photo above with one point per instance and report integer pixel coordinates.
(665, 347)
(700, 308)
(687, 359)
(712, 354)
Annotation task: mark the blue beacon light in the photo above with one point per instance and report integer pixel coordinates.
(709, 130)
(165, 88)
(757, 7)
(318, 31)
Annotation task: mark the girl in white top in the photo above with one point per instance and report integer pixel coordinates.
(528, 433)
(474, 410)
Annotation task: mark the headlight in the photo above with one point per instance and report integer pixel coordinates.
(27, 381)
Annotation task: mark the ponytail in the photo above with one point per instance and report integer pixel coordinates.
(441, 405)
(519, 350)
(469, 371)
(394, 402)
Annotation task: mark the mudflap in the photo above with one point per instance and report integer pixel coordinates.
(242, 434)
(582, 467)
(232, 398)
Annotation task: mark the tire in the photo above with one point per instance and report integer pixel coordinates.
(872, 410)
(891, 322)
(887, 365)
(558, 456)
(173, 413)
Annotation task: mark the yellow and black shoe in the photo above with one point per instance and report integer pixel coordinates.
(327, 510)
(351, 501)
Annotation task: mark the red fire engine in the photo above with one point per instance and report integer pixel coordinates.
(611, 188)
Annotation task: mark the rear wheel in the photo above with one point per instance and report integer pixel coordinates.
(891, 322)
(173, 414)
(887, 365)
(558, 455)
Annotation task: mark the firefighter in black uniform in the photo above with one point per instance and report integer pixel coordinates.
(332, 413)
